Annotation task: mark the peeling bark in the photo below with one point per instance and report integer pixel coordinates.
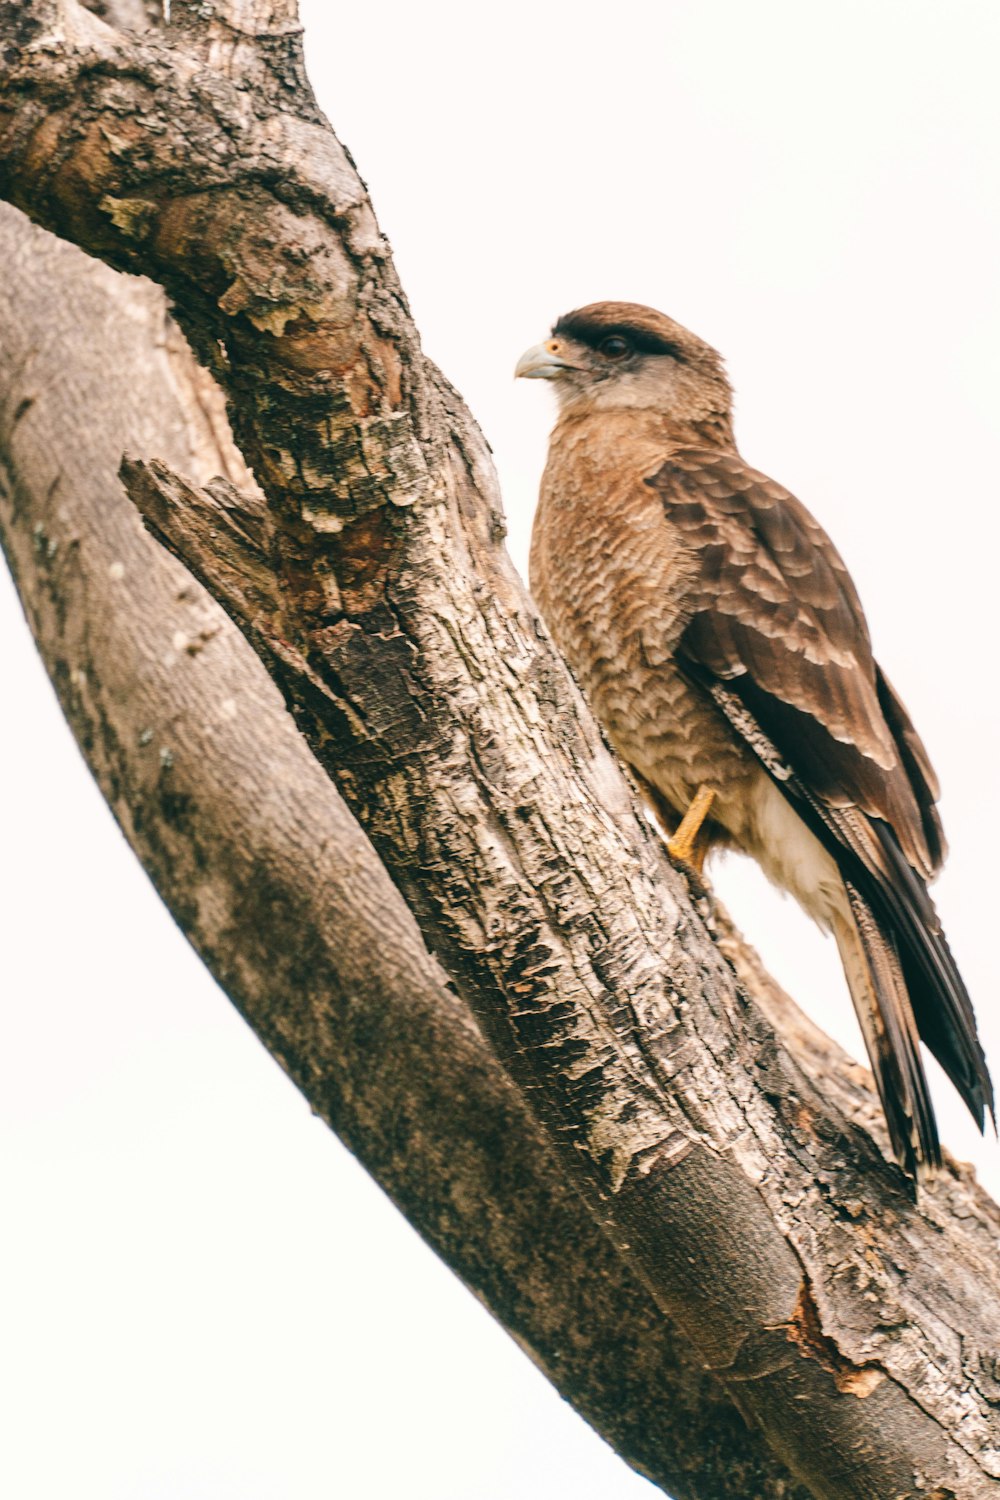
(855, 1330)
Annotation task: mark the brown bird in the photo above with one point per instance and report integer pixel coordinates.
(716, 631)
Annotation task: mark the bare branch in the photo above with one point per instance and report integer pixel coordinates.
(275, 884)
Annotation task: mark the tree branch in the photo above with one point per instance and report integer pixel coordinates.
(275, 884)
(420, 676)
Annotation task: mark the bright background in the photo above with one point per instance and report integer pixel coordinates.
(814, 190)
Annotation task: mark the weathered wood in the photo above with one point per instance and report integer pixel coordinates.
(273, 881)
(855, 1329)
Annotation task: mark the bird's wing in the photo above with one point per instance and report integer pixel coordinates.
(777, 635)
(777, 618)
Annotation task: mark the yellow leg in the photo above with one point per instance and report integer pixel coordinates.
(681, 846)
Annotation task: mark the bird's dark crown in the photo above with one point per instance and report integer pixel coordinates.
(648, 332)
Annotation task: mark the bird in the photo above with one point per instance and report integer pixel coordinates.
(721, 643)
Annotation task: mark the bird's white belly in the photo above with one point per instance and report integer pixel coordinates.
(790, 855)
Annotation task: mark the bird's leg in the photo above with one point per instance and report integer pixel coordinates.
(681, 847)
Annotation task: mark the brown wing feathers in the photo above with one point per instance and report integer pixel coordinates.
(777, 635)
(776, 606)
(917, 766)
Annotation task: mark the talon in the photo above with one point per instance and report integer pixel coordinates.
(681, 847)
(697, 883)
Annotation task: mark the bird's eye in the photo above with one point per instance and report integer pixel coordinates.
(614, 347)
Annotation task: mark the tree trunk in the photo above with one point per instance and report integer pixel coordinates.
(854, 1329)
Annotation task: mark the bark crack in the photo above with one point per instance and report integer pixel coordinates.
(805, 1331)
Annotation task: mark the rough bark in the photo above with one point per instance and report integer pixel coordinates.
(856, 1330)
(272, 879)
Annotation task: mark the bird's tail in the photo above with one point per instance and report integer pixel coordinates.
(875, 979)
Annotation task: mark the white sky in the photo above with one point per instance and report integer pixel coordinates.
(203, 1295)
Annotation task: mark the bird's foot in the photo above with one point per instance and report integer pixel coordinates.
(683, 847)
(695, 876)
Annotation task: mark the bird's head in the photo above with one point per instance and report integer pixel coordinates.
(619, 355)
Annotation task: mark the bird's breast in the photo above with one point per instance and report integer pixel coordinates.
(614, 582)
(606, 565)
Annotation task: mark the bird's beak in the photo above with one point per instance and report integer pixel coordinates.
(542, 362)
